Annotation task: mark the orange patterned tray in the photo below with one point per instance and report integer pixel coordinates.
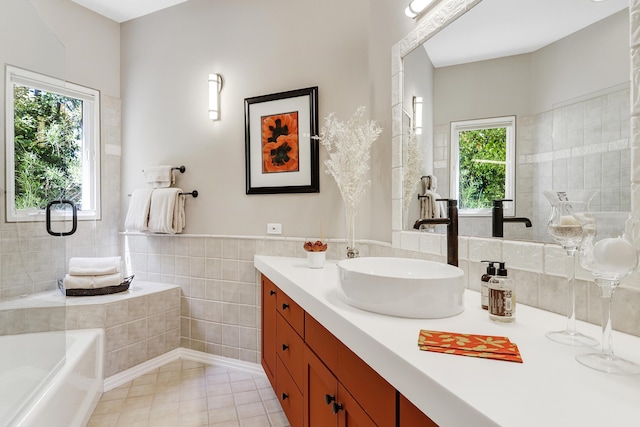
(483, 346)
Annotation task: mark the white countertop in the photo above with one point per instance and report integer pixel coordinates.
(549, 389)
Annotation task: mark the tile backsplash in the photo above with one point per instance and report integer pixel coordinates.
(582, 144)
(215, 307)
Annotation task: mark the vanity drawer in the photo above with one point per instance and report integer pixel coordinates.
(291, 312)
(289, 396)
(323, 343)
(290, 349)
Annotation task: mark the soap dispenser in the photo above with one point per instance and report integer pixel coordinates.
(484, 284)
(502, 296)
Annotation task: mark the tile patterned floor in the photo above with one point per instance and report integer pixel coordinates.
(190, 394)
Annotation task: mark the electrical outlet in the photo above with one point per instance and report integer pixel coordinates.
(273, 228)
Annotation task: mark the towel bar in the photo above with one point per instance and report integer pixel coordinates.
(193, 193)
(182, 169)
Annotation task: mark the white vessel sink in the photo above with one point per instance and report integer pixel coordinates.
(401, 287)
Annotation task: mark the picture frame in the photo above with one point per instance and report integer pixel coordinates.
(280, 154)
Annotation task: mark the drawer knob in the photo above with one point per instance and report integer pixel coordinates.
(284, 347)
(285, 396)
(272, 292)
(336, 407)
(329, 398)
(285, 306)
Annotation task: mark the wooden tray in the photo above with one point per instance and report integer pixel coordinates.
(98, 291)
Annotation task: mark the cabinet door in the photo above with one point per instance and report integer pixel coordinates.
(320, 393)
(350, 413)
(269, 313)
(410, 416)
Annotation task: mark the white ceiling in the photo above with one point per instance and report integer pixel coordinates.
(477, 35)
(124, 10)
(496, 28)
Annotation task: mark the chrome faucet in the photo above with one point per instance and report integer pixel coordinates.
(452, 228)
(498, 219)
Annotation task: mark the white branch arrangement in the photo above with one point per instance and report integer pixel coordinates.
(412, 167)
(349, 147)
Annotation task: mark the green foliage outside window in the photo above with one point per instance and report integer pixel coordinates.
(48, 152)
(483, 155)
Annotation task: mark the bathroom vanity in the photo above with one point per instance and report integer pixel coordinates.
(332, 364)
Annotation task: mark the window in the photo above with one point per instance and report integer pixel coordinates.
(52, 145)
(483, 164)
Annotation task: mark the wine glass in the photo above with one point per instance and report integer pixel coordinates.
(566, 227)
(610, 253)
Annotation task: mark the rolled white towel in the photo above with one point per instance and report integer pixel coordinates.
(94, 266)
(160, 176)
(92, 282)
(138, 213)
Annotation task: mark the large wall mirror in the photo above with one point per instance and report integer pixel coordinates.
(561, 68)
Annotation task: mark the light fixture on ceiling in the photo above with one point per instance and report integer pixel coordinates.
(416, 7)
(215, 86)
(417, 115)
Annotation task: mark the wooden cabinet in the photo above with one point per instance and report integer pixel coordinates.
(410, 416)
(319, 381)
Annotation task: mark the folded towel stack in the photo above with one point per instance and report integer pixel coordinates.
(160, 176)
(93, 273)
(158, 210)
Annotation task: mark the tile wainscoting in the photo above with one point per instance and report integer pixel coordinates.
(220, 298)
(139, 324)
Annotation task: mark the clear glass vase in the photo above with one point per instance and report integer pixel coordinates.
(609, 252)
(566, 226)
(350, 216)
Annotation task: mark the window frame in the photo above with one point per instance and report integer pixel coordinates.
(91, 162)
(508, 122)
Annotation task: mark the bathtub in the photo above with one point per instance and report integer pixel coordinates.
(66, 391)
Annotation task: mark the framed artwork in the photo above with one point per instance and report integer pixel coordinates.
(280, 155)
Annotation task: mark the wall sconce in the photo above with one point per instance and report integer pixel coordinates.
(215, 86)
(416, 7)
(417, 115)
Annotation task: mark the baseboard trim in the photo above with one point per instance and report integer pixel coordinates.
(130, 374)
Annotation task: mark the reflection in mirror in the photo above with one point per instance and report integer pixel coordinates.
(569, 93)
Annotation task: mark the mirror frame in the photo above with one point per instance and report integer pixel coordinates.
(438, 17)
